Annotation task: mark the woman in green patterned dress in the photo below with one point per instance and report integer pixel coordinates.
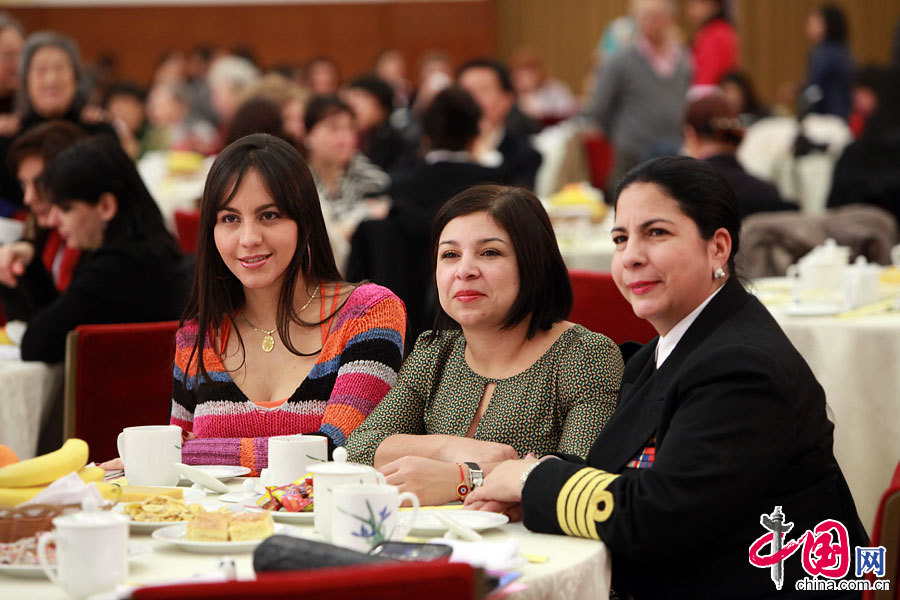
(502, 373)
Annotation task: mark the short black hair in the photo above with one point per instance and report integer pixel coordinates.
(322, 107)
(125, 88)
(377, 87)
(494, 65)
(46, 140)
(256, 115)
(451, 120)
(701, 191)
(545, 291)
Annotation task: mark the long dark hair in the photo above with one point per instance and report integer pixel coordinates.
(545, 291)
(835, 23)
(216, 293)
(96, 165)
(701, 191)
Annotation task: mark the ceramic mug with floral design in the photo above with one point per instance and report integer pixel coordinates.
(363, 516)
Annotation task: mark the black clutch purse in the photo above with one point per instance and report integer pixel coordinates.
(286, 553)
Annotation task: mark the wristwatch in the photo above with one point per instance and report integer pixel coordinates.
(476, 475)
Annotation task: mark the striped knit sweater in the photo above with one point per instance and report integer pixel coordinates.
(356, 368)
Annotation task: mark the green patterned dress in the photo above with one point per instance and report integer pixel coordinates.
(558, 404)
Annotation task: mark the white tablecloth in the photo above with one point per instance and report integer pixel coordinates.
(26, 391)
(856, 360)
(576, 568)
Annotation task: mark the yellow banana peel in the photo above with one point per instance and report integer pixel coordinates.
(16, 496)
(45, 469)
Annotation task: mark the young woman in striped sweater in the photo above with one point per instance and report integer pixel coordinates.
(272, 341)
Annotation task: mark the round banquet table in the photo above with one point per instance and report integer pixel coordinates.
(854, 358)
(574, 567)
(27, 391)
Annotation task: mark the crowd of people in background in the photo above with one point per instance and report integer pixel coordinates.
(385, 145)
(421, 186)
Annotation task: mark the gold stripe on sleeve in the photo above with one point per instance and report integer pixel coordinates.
(562, 499)
(578, 504)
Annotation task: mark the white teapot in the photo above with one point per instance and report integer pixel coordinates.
(862, 283)
(819, 275)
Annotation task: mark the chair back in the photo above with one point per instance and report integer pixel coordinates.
(599, 154)
(434, 581)
(600, 307)
(187, 224)
(886, 532)
(117, 376)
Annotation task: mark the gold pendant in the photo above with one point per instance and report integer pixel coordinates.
(268, 343)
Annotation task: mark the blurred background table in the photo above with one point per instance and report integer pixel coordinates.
(856, 360)
(27, 392)
(575, 568)
(173, 190)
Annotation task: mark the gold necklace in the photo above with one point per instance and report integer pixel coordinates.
(268, 341)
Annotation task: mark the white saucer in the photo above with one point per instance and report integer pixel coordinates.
(813, 310)
(37, 572)
(211, 476)
(428, 524)
(288, 517)
(177, 535)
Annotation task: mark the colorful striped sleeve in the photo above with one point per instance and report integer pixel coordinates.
(184, 386)
(366, 349)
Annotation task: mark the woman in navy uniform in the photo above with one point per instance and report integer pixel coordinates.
(719, 419)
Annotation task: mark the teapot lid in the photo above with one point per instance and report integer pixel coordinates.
(90, 516)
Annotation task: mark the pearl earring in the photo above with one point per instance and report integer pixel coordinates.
(719, 273)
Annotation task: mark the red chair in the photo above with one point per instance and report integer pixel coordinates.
(600, 158)
(886, 532)
(117, 376)
(187, 223)
(434, 581)
(600, 307)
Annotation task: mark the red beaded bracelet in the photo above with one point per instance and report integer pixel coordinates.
(462, 489)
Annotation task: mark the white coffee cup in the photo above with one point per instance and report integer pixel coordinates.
(11, 230)
(291, 456)
(895, 255)
(363, 516)
(326, 477)
(91, 552)
(150, 453)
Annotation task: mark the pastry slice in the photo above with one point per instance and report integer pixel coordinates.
(251, 526)
(208, 527)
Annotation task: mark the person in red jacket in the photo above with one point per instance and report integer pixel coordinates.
(715, 46)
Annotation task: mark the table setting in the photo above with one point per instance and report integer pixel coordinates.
(161, 522)
(844, 319)
(582, 223)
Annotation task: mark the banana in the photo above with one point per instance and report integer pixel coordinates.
(45, 469)
(89, 474)
(15, 496)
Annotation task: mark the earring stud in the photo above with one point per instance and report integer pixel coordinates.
(719, 273)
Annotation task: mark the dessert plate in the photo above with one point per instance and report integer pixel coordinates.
(427, 522)
(287, 517)
(36, 572)
(211, 476)
(177, 535)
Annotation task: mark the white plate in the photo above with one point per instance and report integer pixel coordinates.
(428, 524)
(288, 517)
(812, 310)
(150, 526)
(37, 572)
(211, 476)
(177, 535)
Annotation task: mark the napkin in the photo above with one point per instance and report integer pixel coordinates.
(489, 555)
(67, 490)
